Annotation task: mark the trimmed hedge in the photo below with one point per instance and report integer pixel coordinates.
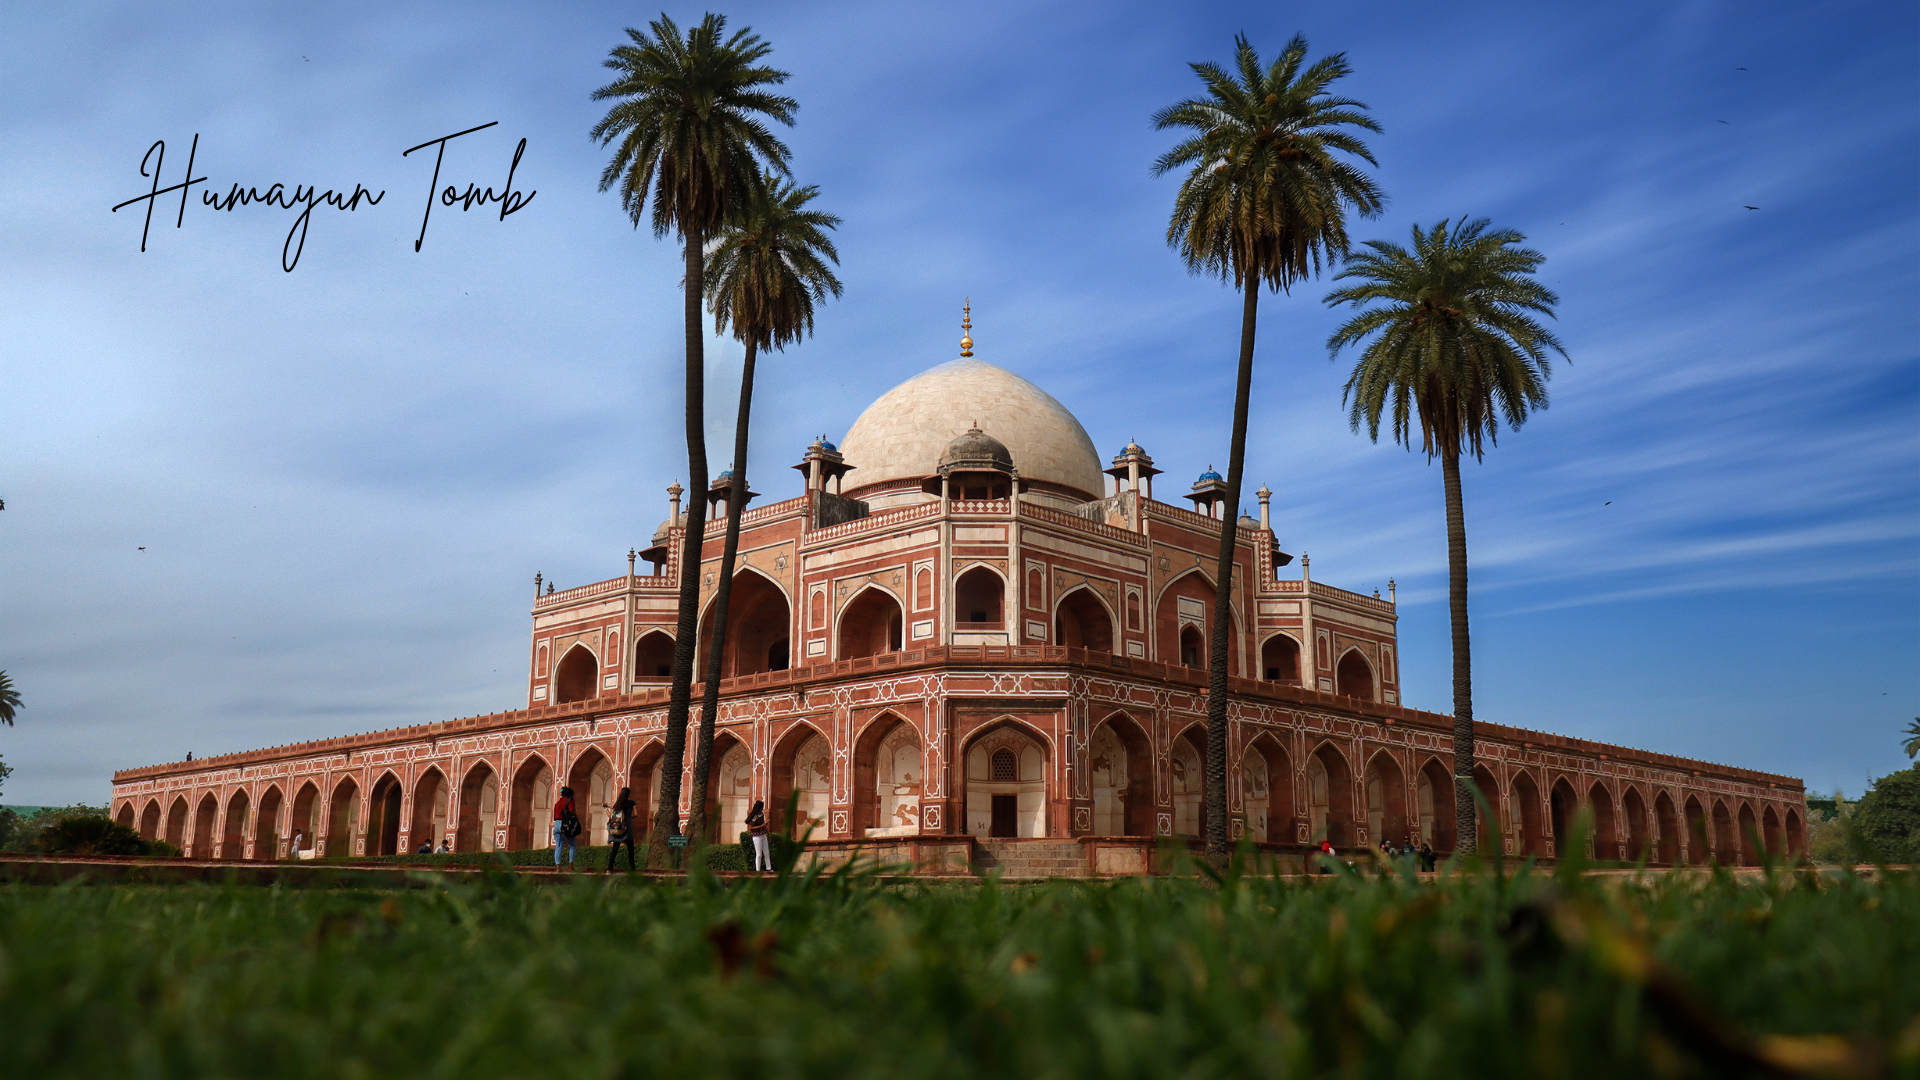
(721, 858)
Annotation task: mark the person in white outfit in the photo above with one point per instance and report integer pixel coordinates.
(757, 830)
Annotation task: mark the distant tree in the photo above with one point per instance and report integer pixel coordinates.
(1827, 840)
(1265, 198)
(689, 126)
(768, 268)
(9, 700)
(1912, 745)
(1886, 820)
(90, 834)
(1450, 343)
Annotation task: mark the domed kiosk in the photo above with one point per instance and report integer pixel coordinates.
(898, 442)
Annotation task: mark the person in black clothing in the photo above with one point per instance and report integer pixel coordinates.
(1427, 858)
(620, 828)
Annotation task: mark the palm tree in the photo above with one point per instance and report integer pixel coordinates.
(690, 131)
(1265, 200)
(1911, 746)
(769, 267)
(1452, 345)
(9, 700)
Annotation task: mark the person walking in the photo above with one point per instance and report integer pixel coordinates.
(757, 830)
(445, 848)
(1427, 858)
(293, 850)
(566, 826)
(1326, 848)
(620, 828)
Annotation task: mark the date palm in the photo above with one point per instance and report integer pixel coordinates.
(9, 700)
(768, 268)
(1911, 746)
(690, 134)
(1450, 344)
(1269, 185)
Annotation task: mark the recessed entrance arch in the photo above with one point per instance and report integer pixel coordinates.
(889, 778)
(653, 657)
(1187, 764)
(1749, 829)
(591, 779)
(978, 599)
(306, 821)
(1354, 676)
(803, 765)
(1726, 843)
(233, 839)
(125, 816)
(731, 794)
(1699, 845)
(1770, 833)
(1562, 806)
(1434, 796)
(479, 808)
(266, 829)
(1634, 808)
(870, 625)
(643, 786)
(177, 823)
(577, 677)
(343, 819)
(431, 797)
(1666, 823)
(1490, 820)
(1606, 834)
(1386, 801)
(759, 628)
(1183, 623)
(530, 813)
(205, 816)
(1526, 798)
(1330, 797)
(1082, 621)
(1267, 791)
(383, 816)
(1796, 836)
(150, 820)
(1120, 764)
(1006, 768)
(1280, 660)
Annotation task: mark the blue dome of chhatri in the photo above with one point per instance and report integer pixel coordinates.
(1209, 475)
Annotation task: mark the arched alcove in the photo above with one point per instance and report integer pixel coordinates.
(1770, 833)
(653, 657)
(1280, 660)
(1562, 805)
(591, 778)
(979, 598)
(1747, 828)
(1634, 809)
(233, 841)
(1187, 604)
(889, 778)
(431, 797)
(759, 627)
(479, 809)
(383, 817)
(1279, 808)
(1081, 621)
(177, 823)
(150, 820)
(1120, 761)
(343, 819)
(643, 785)
(1330, 797)
(1667, 829)
(1435, 798)
(577, 676)
(1487, 819)
(204, 820)
(1699, 843)
(870, 625)
(266, 829)
(305, 822)
(802, 764)
(1188, 779)
(1386, 801)
(530, 813)
(1526, 808)
(1006, 770)
(1354, 676)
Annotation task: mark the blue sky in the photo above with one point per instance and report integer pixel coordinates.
(345, 477)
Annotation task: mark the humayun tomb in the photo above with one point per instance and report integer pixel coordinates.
(969, 641)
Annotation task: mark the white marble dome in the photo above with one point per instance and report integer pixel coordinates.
(903, 434)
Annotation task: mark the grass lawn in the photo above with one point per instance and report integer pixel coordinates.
(844, 977)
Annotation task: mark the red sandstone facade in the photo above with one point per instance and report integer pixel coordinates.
(962, 652)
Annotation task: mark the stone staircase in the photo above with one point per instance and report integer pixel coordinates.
(1030, 860)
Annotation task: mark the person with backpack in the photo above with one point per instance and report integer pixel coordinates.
(757, 831)
(620, 828)
(566, 826)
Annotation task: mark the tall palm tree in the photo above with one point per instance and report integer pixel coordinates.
(9, 700)
(1265, 199)
(690, 131)
(1452, 345)
(769, 267)
(1911, 746)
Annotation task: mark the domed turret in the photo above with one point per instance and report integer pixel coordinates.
(976, 450)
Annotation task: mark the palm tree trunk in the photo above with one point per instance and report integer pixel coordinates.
(1222, 639)
(1465, 812)
(716, 649)
(666, 817)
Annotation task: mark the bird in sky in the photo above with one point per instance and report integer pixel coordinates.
(1739, 69)
(143, 548)
(1722, 122)
(1609, 502)
(1750, 207)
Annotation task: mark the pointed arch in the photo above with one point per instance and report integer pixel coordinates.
(1746, 835)
(304, 831)
(1562, 806)
(1280, 659)
(577, 676)
(980, 598)
(1353, 676)
(730, 788)
(1526, 809)
(125, 814)
(1666, 824)
(643, 774)
(1796, 837)
(1634, 809)
(889, 777)
(653, 656)
(266, 825)
(1434, 802)
(1186, 602)
(233, 838)
(759, 627)
(1007, 766)
(1330, 797)
(873, 621)
(343, 818)
(1770, 833)
(1726, 841)
(432, 799)
(1699, 844)
(205, 818)
(177, 823)
(1386, 800)
(383, 815)
(530, 813)
(1492, 821)
(1187, 769)
(1082, 620)
(1120, 764)
(802, 762)
(1278, 810)
(479, 808)
(591, 778)
(150, 820)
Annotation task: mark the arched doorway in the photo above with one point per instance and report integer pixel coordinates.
(759, 625)
(1606, 834)
(1007, 783)
(591, 778)
(889, 778)
(1386, 801)
(1280, 660)
(1330, 798)
(150, 820)
(1726, 842)
(1699, 845)
(978, 596)
(1081, 621)
(479, 809)
(870, 625)
(1121, 767)
(233, 839)
(1354, 676)
(643, 785)
(1187, 764)
(343, 819)
(125, 816)
(1526, 799)
(1434, 796)
(1266, 755)
(177, 823)
(383, 817)
(1488, 820)
(653, 657)
(1796, 836)
(266, 828)
(303, 831)
(1193, 648)
(530, 814)
(1183, 624)
(803, 764)
(431, 797)
(1635, 810)
(1749, 830)
(205, 817)
(1770, 833)
(577, 677)
(1562, 805)
(1666, 825)
(731, 793)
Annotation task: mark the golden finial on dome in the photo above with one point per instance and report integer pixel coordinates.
(966, 328)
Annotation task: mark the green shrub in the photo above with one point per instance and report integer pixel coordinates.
(1887, 818)
(90, 835)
